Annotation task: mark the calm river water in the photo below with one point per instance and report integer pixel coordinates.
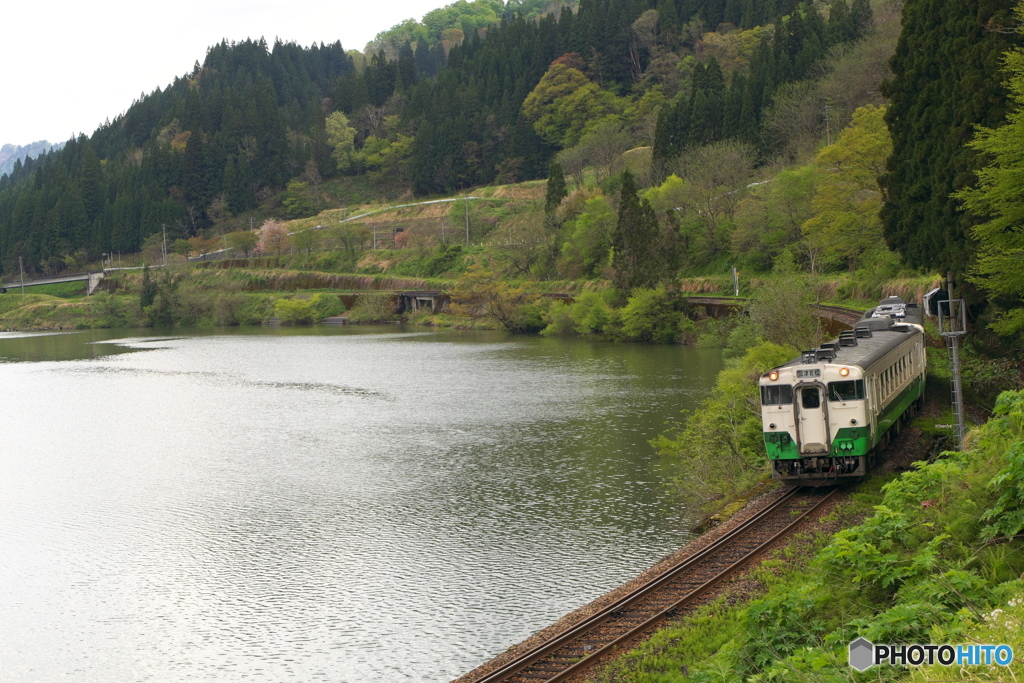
(339, 504)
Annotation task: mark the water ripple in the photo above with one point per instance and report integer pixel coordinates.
(340, 507)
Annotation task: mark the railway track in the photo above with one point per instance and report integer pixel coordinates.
(679, 590)
(839, 313)
(846, 315)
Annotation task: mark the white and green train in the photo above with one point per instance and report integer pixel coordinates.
(827, 413)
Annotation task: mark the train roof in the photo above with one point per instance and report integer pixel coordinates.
(879, 330)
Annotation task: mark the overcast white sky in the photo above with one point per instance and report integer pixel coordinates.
(69, 65)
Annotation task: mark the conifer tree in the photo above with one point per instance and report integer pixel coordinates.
(943, 85)
(998, 204)
(636, 257)
(149, 289)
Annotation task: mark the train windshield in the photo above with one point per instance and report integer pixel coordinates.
(778, 395)
(851, 390)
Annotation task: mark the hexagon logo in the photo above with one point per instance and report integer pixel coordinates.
(862, 654)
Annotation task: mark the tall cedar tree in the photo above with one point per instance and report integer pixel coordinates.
(636, 258)
(945, 82)
(556, 189)
(998, 202)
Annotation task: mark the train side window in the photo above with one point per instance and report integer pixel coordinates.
(779, 395)
(810, 398)
(851, 390)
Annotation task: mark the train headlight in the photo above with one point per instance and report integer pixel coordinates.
(773, 375)
(844, 371)
(853, 421)
(771, 425)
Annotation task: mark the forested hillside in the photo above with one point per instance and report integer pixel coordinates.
(256, 128)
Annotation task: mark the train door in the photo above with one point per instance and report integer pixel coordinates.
(813, 423)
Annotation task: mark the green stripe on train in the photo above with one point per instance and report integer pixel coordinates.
(780, 446)
(851, 441)
(899, 406)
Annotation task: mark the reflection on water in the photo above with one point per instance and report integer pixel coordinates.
(320, 504)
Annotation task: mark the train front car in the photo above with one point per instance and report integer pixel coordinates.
(827, 412)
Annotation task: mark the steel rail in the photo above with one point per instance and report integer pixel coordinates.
(591, 623)
(593, 657)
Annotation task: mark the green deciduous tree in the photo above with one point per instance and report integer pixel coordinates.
(389, 156)
(781, 313)
(298, 199)
(650, 316)
(341, 136)
(714, 180)
(847, 199)
(244, 241)
(769, 220)
(306, 240)
(564, 101)
(586, 250)
(479, 293)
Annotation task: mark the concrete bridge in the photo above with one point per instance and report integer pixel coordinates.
(412, 301)
(92, 279)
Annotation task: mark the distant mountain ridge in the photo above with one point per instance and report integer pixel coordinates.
(10, 153)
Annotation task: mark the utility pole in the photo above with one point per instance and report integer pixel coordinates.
(163, 226)
(443, 242)
(21, 267)
(467, 221)
(828, 124)
(952, 326)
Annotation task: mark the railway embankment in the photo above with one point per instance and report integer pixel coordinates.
(714, 567)
(924, 553)
(929, 549)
